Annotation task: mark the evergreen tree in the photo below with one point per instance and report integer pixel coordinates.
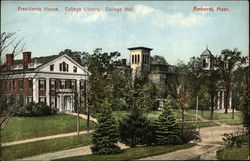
(134, 128)
(166, 127)
(106, 135)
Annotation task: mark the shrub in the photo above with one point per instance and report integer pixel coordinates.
(234, 139)
(188, 134)
(36, 109)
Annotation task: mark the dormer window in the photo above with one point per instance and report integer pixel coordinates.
(75, 69)
(64, 67)
(52, 67)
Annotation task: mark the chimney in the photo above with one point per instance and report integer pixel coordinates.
(26, 59)
(77, 59)
(10, 61)
(124, 62)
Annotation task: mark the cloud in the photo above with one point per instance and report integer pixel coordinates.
(162, 19)
(98, 16)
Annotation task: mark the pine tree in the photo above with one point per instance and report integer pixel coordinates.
(134, 128)
(106, 135)
(166, 127)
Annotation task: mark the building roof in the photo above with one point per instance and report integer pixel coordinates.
(42, 60)
(135, 48)
(207, 53)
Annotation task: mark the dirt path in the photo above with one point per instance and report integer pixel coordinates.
(66, 153)
(52, 136)
(211, 142)
(83, 116)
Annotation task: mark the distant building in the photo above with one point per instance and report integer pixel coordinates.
(55, 80)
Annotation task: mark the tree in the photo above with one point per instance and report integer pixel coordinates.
(157, 59)
(167, 128)
(244, 104)
(106, 135)
(225, 64)
(134, 128)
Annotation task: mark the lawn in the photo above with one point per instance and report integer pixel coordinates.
(231, 122)
(19, 128)
(216, 115)
(233, 153)
(45, 146)
(131, 153)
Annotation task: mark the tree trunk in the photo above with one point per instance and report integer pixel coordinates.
(212, 106)
(182, 114)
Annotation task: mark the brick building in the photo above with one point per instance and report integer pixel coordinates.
(57, 80)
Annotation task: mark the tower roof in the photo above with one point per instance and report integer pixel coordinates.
(135, 48)
(207, 53)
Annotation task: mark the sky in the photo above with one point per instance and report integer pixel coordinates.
(174, 29)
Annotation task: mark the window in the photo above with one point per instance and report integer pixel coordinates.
(73, 84)
(42, 84)
(133, 59)
(52, 84)
(5, 84)
(20, 83)
(52, 67)
(52, 101)
(64, 67)
(30, 83)
(21, 102)
(74, 69)
(12, 84)
(42, 99)
(138, 58)
(62, 84)
(30, 99)
(204, 64)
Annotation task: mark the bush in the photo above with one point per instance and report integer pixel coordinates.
(36, 109)
(188, 134)
(234, 139)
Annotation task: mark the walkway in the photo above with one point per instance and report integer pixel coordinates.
(66, 153)
(211, 141)
(83, 116)
(52, 136)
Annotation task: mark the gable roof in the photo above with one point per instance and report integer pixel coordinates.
(49, 60)
(207, 53)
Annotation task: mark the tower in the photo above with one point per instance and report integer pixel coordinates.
(139, 60)
(207, 60)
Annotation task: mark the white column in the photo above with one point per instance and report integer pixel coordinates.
(47, 89)
(35, 89)
(218, 100)
(58, 103)
(230, 100)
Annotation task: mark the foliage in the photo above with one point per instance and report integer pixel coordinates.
(226, 64)
(157, 59)
(244, 105)
(188, 134)
(134, 128)
(36, 109)
(233, 153)
(106, 135)
(166, 127)
(233, 139)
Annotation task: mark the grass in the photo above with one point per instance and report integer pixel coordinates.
(153, 115)
(195, 158)
(231, 122)
(233, 153)
(20, 128)
(199, 124)
(40, 147)
(131, 153)
(216, 116)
